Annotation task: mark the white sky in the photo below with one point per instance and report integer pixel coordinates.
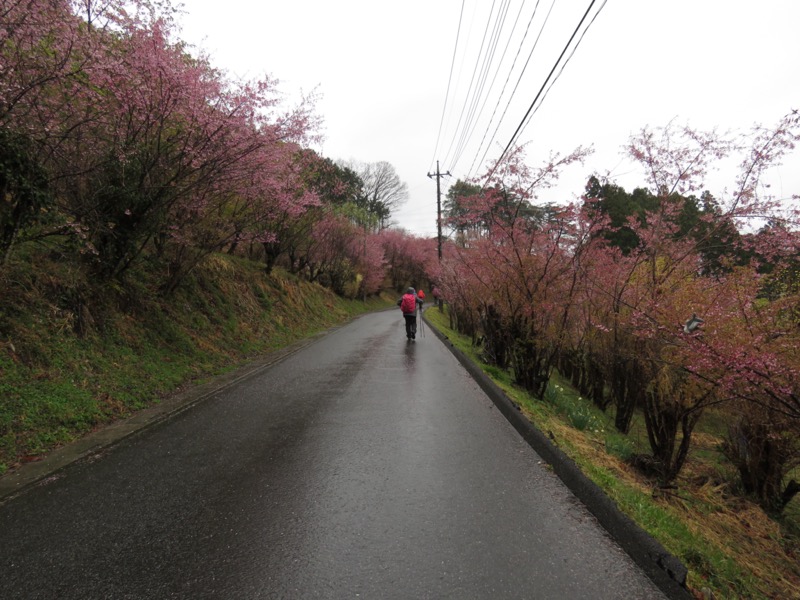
(383, 68)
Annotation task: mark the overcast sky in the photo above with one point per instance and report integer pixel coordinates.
(383, 71)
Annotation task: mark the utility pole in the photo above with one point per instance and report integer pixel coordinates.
(438, 176)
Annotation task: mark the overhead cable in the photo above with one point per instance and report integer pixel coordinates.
(488, 59)
(502, 93)
(449, 80)
(486, 96)
(528, 112)
(550, 87)
(472, 81)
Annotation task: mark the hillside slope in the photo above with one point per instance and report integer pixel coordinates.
(74, 357)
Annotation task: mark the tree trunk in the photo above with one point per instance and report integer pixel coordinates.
(627, 390)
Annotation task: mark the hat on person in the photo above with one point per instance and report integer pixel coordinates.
(410, 291)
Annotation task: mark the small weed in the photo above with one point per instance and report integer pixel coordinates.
(578, 411)
(551, 394)
(492, 370)
(582, 419)
(620, 446)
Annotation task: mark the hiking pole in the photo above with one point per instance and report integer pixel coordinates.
(421, 324)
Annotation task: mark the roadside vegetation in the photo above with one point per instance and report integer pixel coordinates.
(730, 545)
(57, 385)
(674, 315)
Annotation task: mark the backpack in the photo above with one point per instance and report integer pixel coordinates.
(408, 305)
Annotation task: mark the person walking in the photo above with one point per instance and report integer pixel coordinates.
(408, 305)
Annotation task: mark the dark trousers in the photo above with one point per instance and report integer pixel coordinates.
(411, 325)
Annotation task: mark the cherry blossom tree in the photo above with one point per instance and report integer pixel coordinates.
(663, 281)
(558, 289)
(513, 273)
(41, 51)
(410, 259)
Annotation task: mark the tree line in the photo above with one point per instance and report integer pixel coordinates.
(121, 150)
(664, 300)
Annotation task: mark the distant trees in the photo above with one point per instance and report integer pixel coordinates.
(455, 210)
(382, 191)
(467, 215)
(409, 258)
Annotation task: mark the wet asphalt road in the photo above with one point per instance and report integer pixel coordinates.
(361, 466)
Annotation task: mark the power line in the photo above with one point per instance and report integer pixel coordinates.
(519, 79)
(449, 80)
(555, 66)
(472, 80)
(550, 87)
(476, 115)
(466, 132)
(478, 94)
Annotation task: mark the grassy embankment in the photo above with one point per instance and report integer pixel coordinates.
(730, 546)
(136, 347)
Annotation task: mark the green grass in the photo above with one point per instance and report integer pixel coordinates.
(576, 410)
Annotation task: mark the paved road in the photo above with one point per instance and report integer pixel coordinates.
(362, 466)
